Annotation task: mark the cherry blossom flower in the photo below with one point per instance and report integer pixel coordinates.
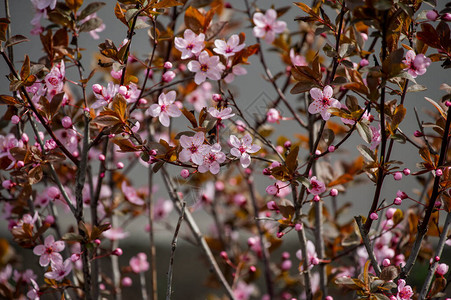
(40, 7)
(165, 108)
(417, 64)
(191, 44)
(49, 251)
(59, 270)
(404, 291)
(6, 144)
(316, 187)
(130, 194)
(200, 96)
(115, 234)
(139, 263)
(34, 292)
(94, 33)
(162, 208)
(242, 148)
(206, 67)
(230, 47)
(243, 291)
(104, 95)
(376, 137)
(442, 269)
(322, 101)
(273, 115)
(296, 59)
(25, 276)
(213, 157)
(193, 148)
(130, 92)
(267, 26)
(237, 70)
(54, 80)
(223, 114)
(312, 256)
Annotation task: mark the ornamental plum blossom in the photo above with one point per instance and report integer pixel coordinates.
(162, 208)
(312, 256)
(193, 148)
(230, 47)
(200, 96)
(165, 108)
(266, 25)
(59, 270)
(104, 95)
(376, 137)
(213, 157)
(242, 148)
(237, 70)
(322, 101)
(139, 263)
(54, 80)
(417, 64)
(206, 67)
(316, 187)
(34, 292)
(243, 291)
(115, 234)
(296, 59)
(442, 269)
(49, 251)
(404, 291)
(191, 44)
(223, 114)
(130, 92)
(130, 194)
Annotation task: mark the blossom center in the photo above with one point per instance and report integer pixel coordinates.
(49, 250)
(268, 28)
(242, 149)
(53, 81)
(229, 49)
(211, 158)
(190, 47)
(325, 101)
(204, 68)
(193, 148)
(163, 108)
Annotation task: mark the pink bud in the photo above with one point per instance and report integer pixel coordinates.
(25, 138)
(74, 257)
(102, 287)
(437, 258)
(102, 157)
(446, 17)
(432, 15)
(272, 205)
(66, 122)
(273, 115)
(252, 269)
(397, 201)
(167, 65)
(298, 227)
(448, 103)
(331, 148)
(168, 76)
(142, 101)
(227, 5)
(287, 144)
(333, 192)
(184, 173)
(224, 255)
(20, 164)
(442, 269)
(438, 204)
(406, 171)
(266, 172)
(417, 133)
(317, 152)
(280, 235)
(97, 88)
(219, 185)
(126, 281)
(285, 255)
(397, 176)
(120, 165)
(216, 97)
(286, 265)
(117, 252)
(7, 184)
(97, 242)
(329, 298)
(401, 194)
(315, 261)
(364, 62)
(390, 212)
(316, 198)
(386, 262)
(15, 119)
(374, 216)
(272, 189)
(364, 36)
(438, 172)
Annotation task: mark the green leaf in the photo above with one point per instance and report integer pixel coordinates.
(364, 131)
(366, 152)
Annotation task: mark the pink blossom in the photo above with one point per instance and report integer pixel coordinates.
(130, 92)
(49, 251)
(59, 270)
(223, 114)
(404, 291)
(316, 187)
(165, 108)
(54, 80)
(242, 149)
(168, 76)
(417, 64)
(266, 25)
(162, 208)
(115, 234)
(230, 47)
(34, 292)
(272, 189)
(312, 256)
(193, 148)
(273, 115)
(130, 194)
(104, 95)
(296, 59)
(322, 101)
(206, 67)
(237, 70)
(191, 44)
(6, 144)
(376, 137)
(442, 269)
(139, 263)
(200, 96)
(243, 291)
(213, 157)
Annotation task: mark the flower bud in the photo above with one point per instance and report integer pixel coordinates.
(216, 97)
(316, 198)
(397, 201)
(168, 76)
(333, 192)
(442, 269)
(432, 15)
(74, 257)
(298, 227)
(120, 165)
(15, 119)
(272, 205)
(364, 62)
(66, 122)
(331, 148)
(97, 88)
(272, 189)
(184, 173)
(418, 133)
(273, 115)
(167, 65)
(438, 172)
(390, 212)
(117, 252)
(406, 171)
(287, 144)
(126, 281)
(446, 17)
(397, 176)
(386, 262)
(374, 216)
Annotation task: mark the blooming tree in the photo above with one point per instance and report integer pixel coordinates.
(70, 144)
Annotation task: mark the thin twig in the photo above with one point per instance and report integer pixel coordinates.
(173, 247)
(367, 243)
